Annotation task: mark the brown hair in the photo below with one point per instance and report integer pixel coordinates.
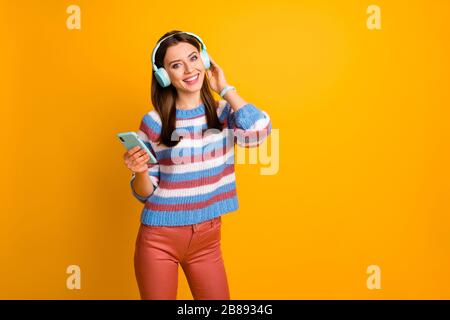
(163, 99)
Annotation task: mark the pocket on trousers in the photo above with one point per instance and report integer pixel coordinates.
(213, 232)
(149, 229)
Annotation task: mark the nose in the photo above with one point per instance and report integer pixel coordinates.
(189, 68)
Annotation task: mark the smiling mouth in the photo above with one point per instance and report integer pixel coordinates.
(192, 79)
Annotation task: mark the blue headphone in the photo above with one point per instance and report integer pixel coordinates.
(161, 74)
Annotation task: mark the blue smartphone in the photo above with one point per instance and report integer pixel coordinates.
(131, 140)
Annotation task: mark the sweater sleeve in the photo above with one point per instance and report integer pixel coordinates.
(250, 125)
(148, 130)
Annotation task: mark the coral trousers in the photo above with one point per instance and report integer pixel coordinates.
(159, 250)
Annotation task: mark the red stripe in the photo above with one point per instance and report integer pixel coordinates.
(190, 206)
(152, 135)
(229, 169)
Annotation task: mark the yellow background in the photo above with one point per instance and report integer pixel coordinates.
(363, 118)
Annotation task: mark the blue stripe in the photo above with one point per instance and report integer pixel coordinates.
(193, 199)
(181, 218)
(190, 113)
(225, 112)
(152, 124)
(247, 115)
(193, 175)
(154, 174)
(231, 124)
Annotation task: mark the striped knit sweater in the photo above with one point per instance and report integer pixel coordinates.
(195, 180)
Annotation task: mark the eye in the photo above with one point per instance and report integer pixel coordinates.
(174, 66)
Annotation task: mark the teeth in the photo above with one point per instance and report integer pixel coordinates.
(190, 79)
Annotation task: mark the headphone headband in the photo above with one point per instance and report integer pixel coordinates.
(159, 43)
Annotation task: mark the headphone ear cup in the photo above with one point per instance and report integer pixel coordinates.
(162, 77)
(205, 58)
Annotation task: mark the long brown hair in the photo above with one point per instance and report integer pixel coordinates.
(163, 99)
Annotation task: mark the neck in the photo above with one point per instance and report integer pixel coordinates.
(188, 100)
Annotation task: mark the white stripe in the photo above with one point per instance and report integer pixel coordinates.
(167, 193)
(141, 134)
(191, 122)
(221, 107)
(154, 168)
(154, 180)
(197, 166)
(155, 116)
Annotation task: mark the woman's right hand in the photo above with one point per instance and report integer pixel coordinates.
(136, 160)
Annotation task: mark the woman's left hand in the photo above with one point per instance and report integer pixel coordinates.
(216, 77)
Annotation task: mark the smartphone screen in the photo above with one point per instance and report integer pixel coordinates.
(131, 140)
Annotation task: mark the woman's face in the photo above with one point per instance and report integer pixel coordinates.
(182, 62)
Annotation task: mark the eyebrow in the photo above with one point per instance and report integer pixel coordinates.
(180, 60)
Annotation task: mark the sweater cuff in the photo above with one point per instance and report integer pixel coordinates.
(139, 197)
(247, 115)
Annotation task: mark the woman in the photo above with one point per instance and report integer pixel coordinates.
(193, 183)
